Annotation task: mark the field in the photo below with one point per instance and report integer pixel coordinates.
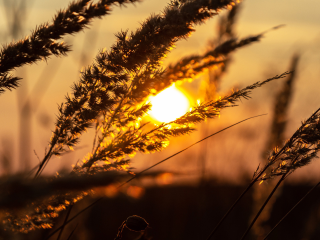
(114, 115)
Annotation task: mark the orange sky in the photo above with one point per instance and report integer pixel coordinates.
(254, 63)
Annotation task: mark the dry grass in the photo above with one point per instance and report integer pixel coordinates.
(111, 97)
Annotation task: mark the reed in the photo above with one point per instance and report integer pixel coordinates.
(276, 138)
(111, 97)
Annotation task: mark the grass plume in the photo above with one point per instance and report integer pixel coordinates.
(111, 96)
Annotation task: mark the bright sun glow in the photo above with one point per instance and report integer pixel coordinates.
(169, 104)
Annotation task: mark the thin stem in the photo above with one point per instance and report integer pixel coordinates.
(256, 178)
(119, 234)
(46, 158)
(138, 174)
(242, 194)
(100, 141)
(263, 206)
(72, 232)
(291, 140)
(49, 154)
(95, 137)
(65, 220)
(98, 127)
(314, 187)
(71, 219)
(231, 208)
(95, 149)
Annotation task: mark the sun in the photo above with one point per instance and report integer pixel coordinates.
(169, 104)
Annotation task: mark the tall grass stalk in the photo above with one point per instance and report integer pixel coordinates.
(298, 151)
(111, 96)
(276, 138)
(310, 191)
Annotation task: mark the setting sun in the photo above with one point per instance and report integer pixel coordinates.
(169, 104)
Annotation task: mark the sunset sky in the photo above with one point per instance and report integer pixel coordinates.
(48, 82)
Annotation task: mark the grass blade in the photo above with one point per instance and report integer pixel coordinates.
(143, 171)
(138, 174)
(314, 187)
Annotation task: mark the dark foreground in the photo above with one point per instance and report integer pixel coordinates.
(189, 212)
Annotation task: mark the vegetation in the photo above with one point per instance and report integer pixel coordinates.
(111, 97)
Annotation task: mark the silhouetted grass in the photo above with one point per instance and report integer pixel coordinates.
(111, 96)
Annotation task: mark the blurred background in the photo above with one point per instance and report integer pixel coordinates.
(214, 170)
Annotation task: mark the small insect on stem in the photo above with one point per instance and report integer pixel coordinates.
(133, 223)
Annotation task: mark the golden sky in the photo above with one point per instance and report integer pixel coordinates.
(254, 63)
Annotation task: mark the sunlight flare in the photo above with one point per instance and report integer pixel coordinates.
(169, 104)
